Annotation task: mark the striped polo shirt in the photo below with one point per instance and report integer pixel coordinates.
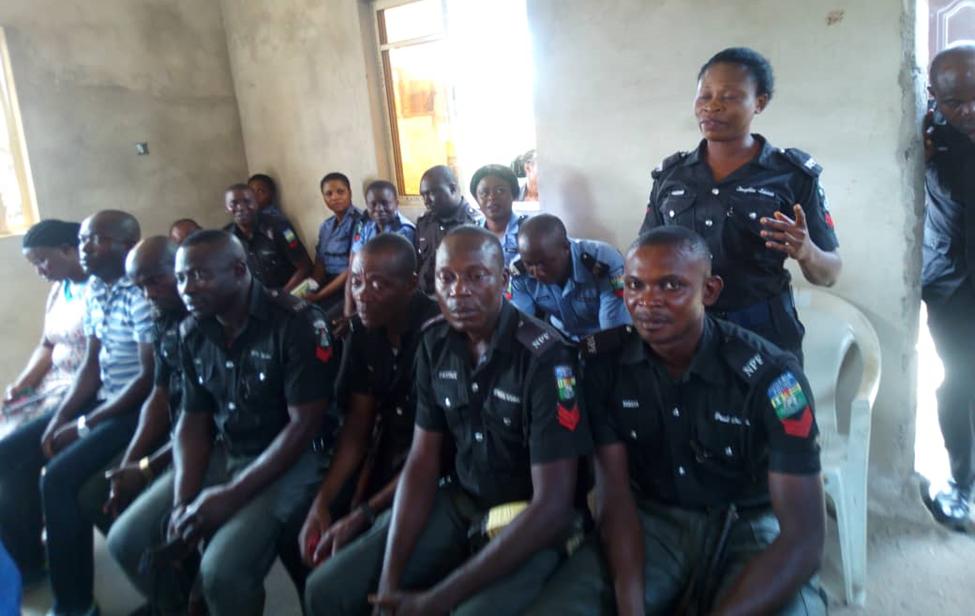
(121, 318)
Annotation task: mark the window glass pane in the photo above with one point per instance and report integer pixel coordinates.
(420, 87)
(13, 217)
(413, 20)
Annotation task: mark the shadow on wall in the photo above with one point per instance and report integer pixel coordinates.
(568, 195)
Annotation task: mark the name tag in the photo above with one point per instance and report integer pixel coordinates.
(631, 404)
(731, 419)
(503, 395)
(450, 375)
(677, 193)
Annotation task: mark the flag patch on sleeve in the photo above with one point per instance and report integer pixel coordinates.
(791, 405)
(616, 282)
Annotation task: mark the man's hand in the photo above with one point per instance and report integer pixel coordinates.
(125, 484)
(47, 439)
(316, 523)
(787, 235)
(398, 603)
(206, 514)
(16, 391)
(340, 326)
(64, 436)
(339, 534)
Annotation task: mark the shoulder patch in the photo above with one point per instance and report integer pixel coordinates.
(536, 336)
(323, 341)
(604, 341)
(791, 405)
(803, 161)
(667, 163)
(598, 268)
(432, 321)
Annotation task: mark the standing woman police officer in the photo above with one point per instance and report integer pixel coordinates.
(754, 204)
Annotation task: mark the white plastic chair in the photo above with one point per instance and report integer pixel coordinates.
(833, 328)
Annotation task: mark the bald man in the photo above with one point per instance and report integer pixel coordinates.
(499, 386)
(258, 372)
(947, 286)
(94, 422)
(577, 285)
(447, 208)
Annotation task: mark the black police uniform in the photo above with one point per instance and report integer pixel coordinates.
(696, 445)
(430, 229)
(274, 251)
(515, 409)
(757, 293)
(372, 367)
(949, 290)
(167, 372)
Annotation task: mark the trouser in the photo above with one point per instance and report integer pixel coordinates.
(952, 326)
(341, 584)
(238, 556)
(774, 319)
(674, 548)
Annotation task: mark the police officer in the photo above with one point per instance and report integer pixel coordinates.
(150, 266)
(706, 447)
(384, 216)
(949, 263)
(447, 209)
(334, 241)
(258, 371)
(275, 255)
(496, 187)
(576, 284)
(754, 204)
(499, 387)
(376, 382)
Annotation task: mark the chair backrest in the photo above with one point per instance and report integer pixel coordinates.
(833, 328)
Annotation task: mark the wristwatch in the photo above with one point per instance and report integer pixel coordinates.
(82, 426)
(145, 468)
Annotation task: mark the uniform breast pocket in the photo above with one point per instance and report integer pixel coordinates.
(677, 208)
(258, 380)
(452, 399)
(505, 428)
(721, 441)
(747, 210)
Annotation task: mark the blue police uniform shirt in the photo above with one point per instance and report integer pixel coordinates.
(590, 300)
(366, 229)
(335, 241)
(510, 240)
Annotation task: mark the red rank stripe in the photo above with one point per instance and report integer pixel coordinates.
(323, 354)
(569, 418)
(799, 427)
(829, 220)
(618, 293)
(293, 244)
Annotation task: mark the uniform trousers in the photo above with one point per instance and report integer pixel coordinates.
(952, 325)
(237, 557)
(674, 545)
(341, 584)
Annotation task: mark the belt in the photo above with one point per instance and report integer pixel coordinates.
(758, 313)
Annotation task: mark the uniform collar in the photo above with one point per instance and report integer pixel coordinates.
(764, 157)
(501, 339)
(461, 215)
(351, 215)
(258, 301)
(578, 273)
(706, 362)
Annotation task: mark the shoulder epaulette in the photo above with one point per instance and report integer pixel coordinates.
(287, 301)
(432, 321)
(748, 362)
(536, 336)
(804, 161)
(604, 341)
(594, 265)
(667, 163)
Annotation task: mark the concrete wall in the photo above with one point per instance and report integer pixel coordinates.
(95, 78)
(614, 94)
(303, 80)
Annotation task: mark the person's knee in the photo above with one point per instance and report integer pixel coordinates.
(324, 592)
(124, 546)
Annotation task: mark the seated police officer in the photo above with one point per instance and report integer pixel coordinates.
(447, 208)
(499, 388)
(576, 284)
(496, 187)
(375, 383)
(275, 255)
(257, 375)
(709, 498)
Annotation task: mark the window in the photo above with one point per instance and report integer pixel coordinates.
(17, 208)
(458, 84)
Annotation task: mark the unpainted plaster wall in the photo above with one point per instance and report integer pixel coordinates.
(93, 79)
(303, 71)
(614, 93)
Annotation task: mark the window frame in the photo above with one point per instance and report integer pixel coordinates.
(10, 108)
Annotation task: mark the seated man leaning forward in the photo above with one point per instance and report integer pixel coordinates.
(257, 370)
(375, 383)
(576, 284)
(497, 387)
(709, 498)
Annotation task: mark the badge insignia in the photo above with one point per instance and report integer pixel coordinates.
(290, 237)
(791, 405)
(569, 418)
(323, 348)
(616, 282)
(565, 380)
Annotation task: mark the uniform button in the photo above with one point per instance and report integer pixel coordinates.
(446, 402)
(708, 222)
(229, 365)
(474, 387)
(506, 421)
(676, 412)
(715, 191)
(399, 410)
(752, 215)
(261, 376)
(231, 406)
(681, 471)
(478, 437)
(728, 451)
(633, 434)
(671, 213)
(200, 380)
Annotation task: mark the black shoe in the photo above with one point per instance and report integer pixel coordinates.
(951, 506)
